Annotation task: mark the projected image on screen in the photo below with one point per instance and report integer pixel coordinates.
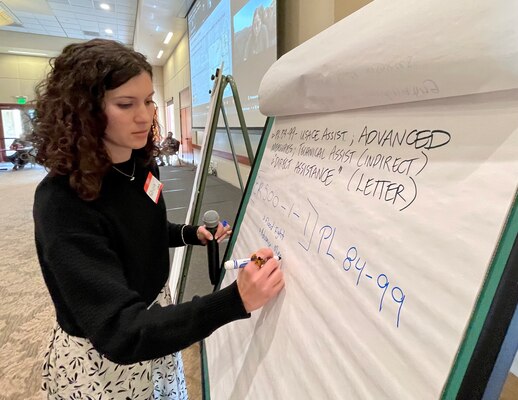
(210, 46)
(254, 25)
(240, 35)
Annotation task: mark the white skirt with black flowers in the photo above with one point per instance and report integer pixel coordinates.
(73, 369)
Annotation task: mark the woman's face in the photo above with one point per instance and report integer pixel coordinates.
(130, 110)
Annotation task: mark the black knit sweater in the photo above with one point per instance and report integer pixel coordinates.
(105, 261)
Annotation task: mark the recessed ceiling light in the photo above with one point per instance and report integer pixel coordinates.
(108, 31)
(160, 53)
(7, 17)
(104, 6)
(168, 37)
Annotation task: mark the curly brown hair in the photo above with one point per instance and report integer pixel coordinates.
(69, 123)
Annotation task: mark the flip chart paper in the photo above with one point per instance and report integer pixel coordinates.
(398, 51)
(385, 247)
(385, 208)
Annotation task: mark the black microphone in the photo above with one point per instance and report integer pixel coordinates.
(211, 221)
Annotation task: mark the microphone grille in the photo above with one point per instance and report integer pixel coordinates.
(211, 219)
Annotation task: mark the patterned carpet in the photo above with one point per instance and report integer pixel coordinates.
(26, 313)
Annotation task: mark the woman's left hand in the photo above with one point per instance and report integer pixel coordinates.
(222, 233)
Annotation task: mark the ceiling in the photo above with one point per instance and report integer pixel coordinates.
(44, 27)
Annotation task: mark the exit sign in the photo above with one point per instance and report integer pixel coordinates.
(21, 100)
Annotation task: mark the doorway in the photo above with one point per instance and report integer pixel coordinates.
(169, 116)
(186, 125)
(15, 123)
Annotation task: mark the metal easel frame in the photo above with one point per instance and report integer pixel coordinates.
(210, 131)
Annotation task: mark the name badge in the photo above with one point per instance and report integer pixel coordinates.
(153, 187)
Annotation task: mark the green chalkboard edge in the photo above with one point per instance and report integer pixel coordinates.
(235, 234)
(483, 304)
(204, 372)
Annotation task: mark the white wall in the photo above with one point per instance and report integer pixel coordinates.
(158, 86)
(176, 77)
(19, 75)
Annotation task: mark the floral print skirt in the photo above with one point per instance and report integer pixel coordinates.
(73, 369)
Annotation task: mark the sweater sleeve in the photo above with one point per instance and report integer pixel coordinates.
(87, 281)
(180, 235)
(114, 318)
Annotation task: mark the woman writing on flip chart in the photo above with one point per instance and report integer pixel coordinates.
(103, 238)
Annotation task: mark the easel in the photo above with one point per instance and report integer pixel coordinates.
(193, 215)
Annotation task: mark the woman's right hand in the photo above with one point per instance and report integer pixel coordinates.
(259, 284)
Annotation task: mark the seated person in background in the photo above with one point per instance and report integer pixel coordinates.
(21, 155)
(168, 147)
